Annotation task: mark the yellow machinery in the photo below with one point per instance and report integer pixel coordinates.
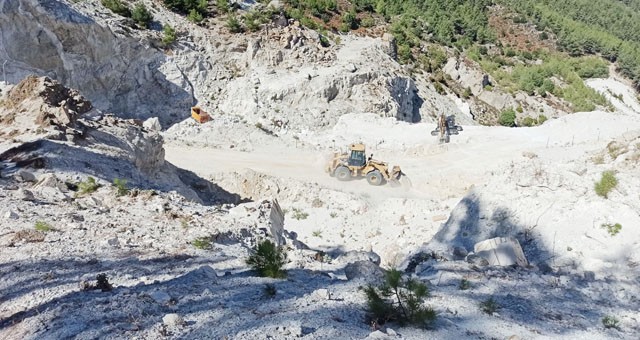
(199, 115)
(345, 166)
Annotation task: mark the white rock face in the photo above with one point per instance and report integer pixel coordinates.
(152, 124)
(115, 71)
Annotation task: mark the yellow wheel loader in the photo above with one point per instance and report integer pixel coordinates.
(355, 164)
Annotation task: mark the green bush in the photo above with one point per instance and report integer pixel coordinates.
(489, 306)
(607, 183)
(507, 118)
(222, 6)
(350, 20)
(121, 186)
(612, 229)
(43, 226)
(203, 243)
(400, 300)
(88, 186)
(195, 16)
(610, 322)
(466, 93)
(528, 121)
(233, 24)
(464, 284)
(185, 6)
(542, 119)
(169, 35)
(141, 15)
(298, 214)
(117, 7)
(268, 260)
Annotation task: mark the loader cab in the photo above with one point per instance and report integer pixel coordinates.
(358, 156)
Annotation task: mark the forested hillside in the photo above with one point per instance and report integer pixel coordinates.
(610, 28)
(607, 27)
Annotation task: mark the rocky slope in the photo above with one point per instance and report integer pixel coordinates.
(174, 245)
(282, 74)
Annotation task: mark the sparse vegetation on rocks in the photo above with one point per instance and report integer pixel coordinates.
(612, 229)
(121, 186)
(489, 306)
(88, 186)
(299, 214)
(43, 226)
(117, 7)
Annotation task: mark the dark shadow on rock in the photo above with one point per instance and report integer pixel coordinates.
(127, 310)
(71, 159)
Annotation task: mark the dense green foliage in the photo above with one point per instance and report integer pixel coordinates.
(608, 27)
(141, 15)
(399, 299)
(449, 22)
(169, 35)
(507, 118)
(117, 7)
(535, 79)
(268, 260)
(186, 6)
(607, 183)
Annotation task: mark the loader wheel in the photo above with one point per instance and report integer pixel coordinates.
(374, 177)
(342, 173)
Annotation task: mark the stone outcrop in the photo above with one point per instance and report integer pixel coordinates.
(116, 71)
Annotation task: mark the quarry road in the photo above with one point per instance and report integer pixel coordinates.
(436, 171)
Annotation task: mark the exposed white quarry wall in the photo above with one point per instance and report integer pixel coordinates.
(117, 73)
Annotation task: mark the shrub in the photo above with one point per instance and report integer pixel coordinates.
(399, 299)
(121, 186)
(195, 16)
(466, 93)
(507, 118)
(542, 119)
(612, 229)
(528, 121)
(141, 15)
(464, 284)
(233, 24)
(298, 214)
(489, 306)
(169, 35)
(270, 290)
(203, 243)
(222, 6)
(88, 186)
(43, 226)
(610, 322)
(350, 21)
(268, 260)
(102, 283)
(607, 182)
(117, 7)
